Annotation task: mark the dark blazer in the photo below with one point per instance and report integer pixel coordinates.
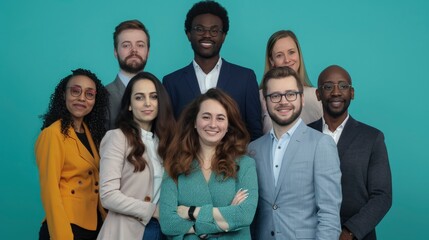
(239, 82)
(116, 89)
(366, 178)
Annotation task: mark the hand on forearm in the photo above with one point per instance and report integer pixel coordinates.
(240, 196)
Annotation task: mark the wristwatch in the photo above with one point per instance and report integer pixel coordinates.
(191, 213)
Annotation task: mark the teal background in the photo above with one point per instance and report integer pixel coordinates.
(383, 44)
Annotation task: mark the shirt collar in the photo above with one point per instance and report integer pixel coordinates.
(289, 132)
(198, 68)
(124, 79)
(325, 126)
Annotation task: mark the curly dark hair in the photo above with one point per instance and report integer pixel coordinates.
(162, 126)
(186, 145)
(205, 7)
(95, 119)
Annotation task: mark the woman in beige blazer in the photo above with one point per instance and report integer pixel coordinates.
(283, 49)
(131, 166)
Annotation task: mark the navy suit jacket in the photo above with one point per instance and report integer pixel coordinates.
(239, 82)
(366, 178)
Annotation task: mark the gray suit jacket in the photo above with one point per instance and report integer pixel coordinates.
(366, 181)
(306, 201)
(116, 90)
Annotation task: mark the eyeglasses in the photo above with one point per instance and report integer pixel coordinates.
(200, 30)
(329, 86)
(76, 91)
(289, 95)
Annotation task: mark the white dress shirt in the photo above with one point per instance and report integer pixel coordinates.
(207, 81)
(337, 133)
(151, 147)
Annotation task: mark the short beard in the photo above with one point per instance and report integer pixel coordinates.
(133, 68)
(286, 122)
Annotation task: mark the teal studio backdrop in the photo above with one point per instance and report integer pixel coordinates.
(383, 44)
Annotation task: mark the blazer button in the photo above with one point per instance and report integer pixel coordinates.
(90, 172)
(272, 233)
(72, 191)
(147, 199)
(96, 183)
(275, 207)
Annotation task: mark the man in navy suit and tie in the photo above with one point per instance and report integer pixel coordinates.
(298, 169)
(366, 180)
(206, 26)
(131, 43)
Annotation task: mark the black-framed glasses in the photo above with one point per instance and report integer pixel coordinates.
(277, 97)
(200, 30)
(329, 86)
(76, 91)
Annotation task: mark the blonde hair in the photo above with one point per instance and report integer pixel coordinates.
(302, 73)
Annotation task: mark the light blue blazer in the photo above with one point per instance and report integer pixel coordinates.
(305, 203)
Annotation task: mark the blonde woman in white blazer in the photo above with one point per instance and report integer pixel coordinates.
(131, 166)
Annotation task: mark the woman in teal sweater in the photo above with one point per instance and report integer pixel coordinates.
(210, 190)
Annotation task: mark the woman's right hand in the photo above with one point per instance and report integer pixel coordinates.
(240, 196)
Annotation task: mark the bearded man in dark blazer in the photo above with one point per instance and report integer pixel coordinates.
(366, 178)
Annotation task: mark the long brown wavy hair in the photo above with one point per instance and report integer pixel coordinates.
(185, 146)
(162, 126)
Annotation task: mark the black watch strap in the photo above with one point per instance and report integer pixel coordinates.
(191, 213)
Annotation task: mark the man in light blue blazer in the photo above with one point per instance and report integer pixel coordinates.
(298, 169)
(206, 26)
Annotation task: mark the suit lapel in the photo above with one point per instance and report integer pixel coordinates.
(350, 131)
(318, 125)
(223, 75)
(291, 150)
(119, 85)
(191, 80)
(83, 152)
(267, 153)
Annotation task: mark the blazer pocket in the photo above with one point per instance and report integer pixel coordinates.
(305, 234)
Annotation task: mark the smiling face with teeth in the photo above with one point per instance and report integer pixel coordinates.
(211, 123)
(206, 46)
(336, 102)
(284, 113)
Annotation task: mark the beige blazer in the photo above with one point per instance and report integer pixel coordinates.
(125, 193)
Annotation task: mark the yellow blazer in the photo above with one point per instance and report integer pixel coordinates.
(69, 176)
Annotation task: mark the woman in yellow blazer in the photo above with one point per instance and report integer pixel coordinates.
(68, 160)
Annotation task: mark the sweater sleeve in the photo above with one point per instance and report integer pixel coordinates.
(172, 224)
(50, 156)
(239, 216)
